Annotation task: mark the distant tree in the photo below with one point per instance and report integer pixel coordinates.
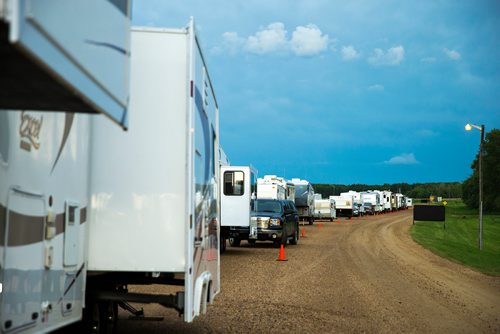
(491, 176)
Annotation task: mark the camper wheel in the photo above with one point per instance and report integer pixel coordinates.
(234, 242)
(101, 317)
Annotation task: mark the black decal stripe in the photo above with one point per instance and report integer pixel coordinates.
(107, 45)
(68, 122)
(25, 229)
(3, 224)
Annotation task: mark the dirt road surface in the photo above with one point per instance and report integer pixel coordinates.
(359, 275)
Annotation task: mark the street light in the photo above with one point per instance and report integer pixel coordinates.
(469, 127)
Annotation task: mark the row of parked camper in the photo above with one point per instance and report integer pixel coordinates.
(353, 203)
(87, 209)
(243, 196)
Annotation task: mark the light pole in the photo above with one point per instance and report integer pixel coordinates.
(469, 127)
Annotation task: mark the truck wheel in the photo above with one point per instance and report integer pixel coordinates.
(295, 238)
(234, 242)
(252, 241)
(311, 220)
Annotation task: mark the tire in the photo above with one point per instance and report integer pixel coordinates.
(222, 245)
(252, 241)
(234, 242)
(295, 238)
(100, 317)
(311, 220)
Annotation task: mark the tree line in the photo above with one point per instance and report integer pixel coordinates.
(491, 176)
(468, 190)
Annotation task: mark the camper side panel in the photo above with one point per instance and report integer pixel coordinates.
(43, 219)
(138, 184)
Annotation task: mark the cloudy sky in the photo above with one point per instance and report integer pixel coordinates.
(348, 91)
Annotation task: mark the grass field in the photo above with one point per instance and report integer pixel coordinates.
(459, 242)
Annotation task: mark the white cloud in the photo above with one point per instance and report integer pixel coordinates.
(402, 159)
(305, 41)
(392, 57)
(308, 40)
(376, 88)
(428, 60)
(349, 53)
(268, 40)
(452, 54)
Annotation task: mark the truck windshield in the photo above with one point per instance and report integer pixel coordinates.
(267, 206)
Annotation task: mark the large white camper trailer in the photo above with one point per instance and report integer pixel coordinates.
(371, 201)
(358, 201)
(325, 209)
(344, 205)
(304, 199)
(271, 187)
(237, 191)
(386, 200)
(43, 219)
(54, 61)
(154, 206)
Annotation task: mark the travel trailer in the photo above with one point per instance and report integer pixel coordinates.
(358, 202)
(325, 209)
(373, 198)
(344, 205)
(44, 155)
(271, 187)
(154, 212)
(236, 194)
(304, 199)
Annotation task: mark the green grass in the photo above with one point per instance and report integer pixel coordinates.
(459, 242)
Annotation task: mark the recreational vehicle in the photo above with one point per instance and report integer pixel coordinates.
(373, 198)
(54, 61)
(325, 209)
(358, 202)
(236, 196)
(304, 199)
(154, 211)
(271, 187)
(344, 205)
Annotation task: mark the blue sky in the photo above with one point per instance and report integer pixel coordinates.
(348, 91)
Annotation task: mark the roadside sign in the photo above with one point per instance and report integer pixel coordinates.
(444, 202)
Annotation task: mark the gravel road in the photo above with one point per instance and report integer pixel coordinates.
(360, 275)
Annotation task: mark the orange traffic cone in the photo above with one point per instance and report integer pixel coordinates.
(282, 257)
(320, 226)
(303, 233)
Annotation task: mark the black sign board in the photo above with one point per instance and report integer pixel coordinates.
(429, 213)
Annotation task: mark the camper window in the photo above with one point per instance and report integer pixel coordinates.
(234, 184)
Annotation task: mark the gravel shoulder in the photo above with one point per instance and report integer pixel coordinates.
(359, 275)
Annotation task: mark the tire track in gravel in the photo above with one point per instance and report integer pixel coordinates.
(364, 275)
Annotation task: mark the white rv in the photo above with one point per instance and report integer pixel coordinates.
(271, 187)
(325, 209)
(409, 202)
(52, 60)
(358, 201)
(371, 200)
(154, 212)
(304, 199)
(236, 194)
(344, 205)
(386, 200)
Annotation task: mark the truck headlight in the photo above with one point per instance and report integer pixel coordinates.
(274, 222)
